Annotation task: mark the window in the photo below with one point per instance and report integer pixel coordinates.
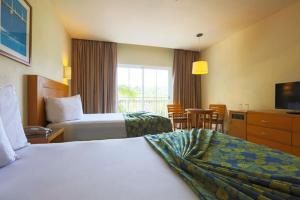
(144, 88)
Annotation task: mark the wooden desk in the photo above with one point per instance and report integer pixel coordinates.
(56, 136)
(202, 116)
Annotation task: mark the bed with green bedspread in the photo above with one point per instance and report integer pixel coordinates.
(143, 123)
(218, 166)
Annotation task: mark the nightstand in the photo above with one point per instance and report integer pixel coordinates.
(57, 136)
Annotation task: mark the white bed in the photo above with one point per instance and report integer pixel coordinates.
(94, 127)
(126, 169)
(90, 127)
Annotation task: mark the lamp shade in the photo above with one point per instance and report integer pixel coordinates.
(67, 73)
(200, 67)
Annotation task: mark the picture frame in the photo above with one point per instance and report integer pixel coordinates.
(16, 30)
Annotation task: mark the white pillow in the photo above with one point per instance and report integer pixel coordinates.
(7, 154)
(64, 109)
(11, 117)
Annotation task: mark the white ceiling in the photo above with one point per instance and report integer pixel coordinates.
(162, 23)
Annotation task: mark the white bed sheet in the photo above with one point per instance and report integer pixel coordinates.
(125, 169)
(94, 127)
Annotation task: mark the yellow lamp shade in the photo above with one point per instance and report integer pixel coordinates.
(200, 67)
(67, 73)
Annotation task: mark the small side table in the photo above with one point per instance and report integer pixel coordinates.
(57, 136)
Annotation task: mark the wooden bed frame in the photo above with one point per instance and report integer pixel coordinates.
(39, 88)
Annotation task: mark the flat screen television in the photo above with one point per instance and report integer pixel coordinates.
(287, 96)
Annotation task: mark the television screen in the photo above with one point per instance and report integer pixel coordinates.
(287, 96)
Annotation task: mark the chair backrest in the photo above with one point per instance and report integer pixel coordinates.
(220, 109)
(175, 108)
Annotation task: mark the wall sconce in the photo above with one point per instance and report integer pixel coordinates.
(67, 72)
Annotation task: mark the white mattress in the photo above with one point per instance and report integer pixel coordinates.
(94, 127)
(126, 169)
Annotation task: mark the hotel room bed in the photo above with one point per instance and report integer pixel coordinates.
(91, 126)
(113, 126)
(203, 164)
(127, 169)
(94, 127)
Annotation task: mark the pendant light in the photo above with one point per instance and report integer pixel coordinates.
(201, 66)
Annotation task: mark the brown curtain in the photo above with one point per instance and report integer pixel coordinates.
(94, 66)
(186, 87)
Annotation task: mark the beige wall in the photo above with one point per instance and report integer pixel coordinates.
(50, 49)
(145, 55)
(244, 68)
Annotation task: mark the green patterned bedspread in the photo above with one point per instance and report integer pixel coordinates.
(218, 166)
(144, 123)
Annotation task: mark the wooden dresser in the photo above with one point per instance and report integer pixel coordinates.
(273, 129)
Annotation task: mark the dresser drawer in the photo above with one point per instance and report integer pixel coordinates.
(296, 139)
(296, 125)
(268, 143)
(274, 135)
(276, 121)
(237, 130)
(296, 151)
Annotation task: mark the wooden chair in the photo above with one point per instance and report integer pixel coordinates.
(199, 118)
(177, 115)
(218, 115)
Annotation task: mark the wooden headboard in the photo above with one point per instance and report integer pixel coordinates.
(39, 88)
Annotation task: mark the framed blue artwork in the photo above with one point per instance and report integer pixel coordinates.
(15, 35)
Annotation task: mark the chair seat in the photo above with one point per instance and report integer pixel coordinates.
(177, 116)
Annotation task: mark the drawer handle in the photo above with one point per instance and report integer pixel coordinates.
(264, 121)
